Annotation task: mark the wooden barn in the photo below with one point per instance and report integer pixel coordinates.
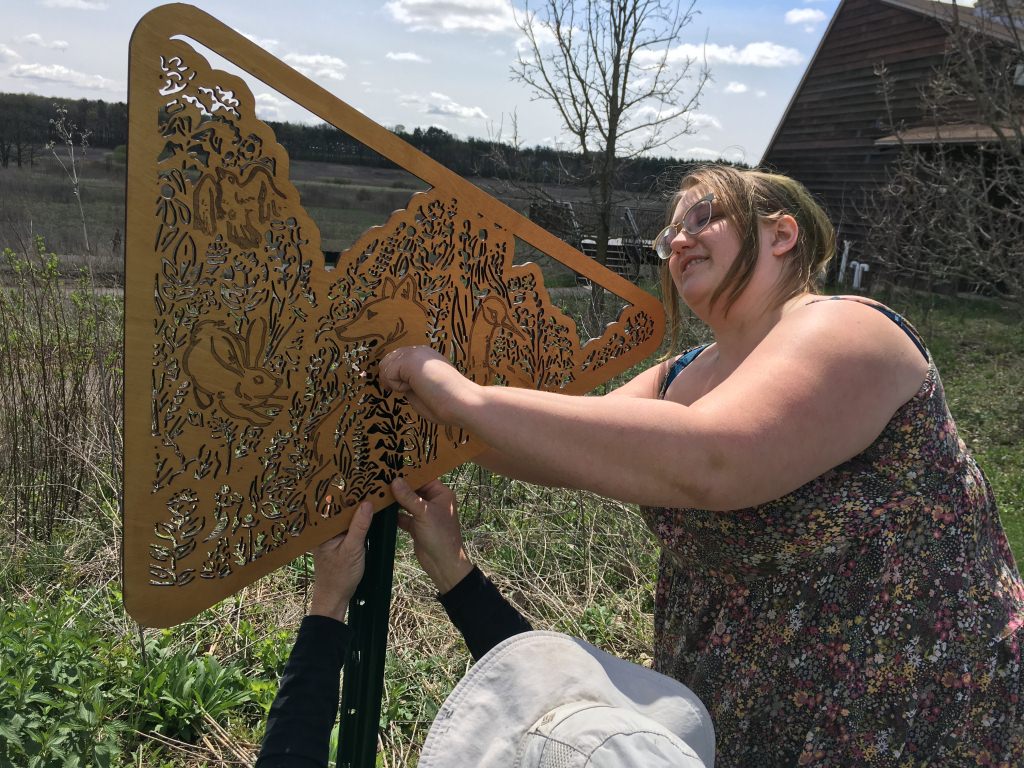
(838, 133)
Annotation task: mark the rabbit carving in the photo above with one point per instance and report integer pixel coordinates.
(224, 368)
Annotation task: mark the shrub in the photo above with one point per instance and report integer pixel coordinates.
(61, 361)
(180, 688)
(61, 683)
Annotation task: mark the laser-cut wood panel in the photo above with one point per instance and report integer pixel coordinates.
(254, 420)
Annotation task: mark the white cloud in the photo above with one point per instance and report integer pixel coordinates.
(454, 15)
(441, 105)
(733, 154)
(735, 87)
(701, 120)
(268, 106)
(406, 56)
(763, 54)
(76, 5)
(444, 106)
(36, 39)
(262, 42)
(317, 65)
(55, 73)
(543, 33)
(647, 113)
(809, 17)
(8, 54)
(761, 94)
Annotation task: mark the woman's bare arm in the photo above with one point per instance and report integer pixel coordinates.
(817, 391)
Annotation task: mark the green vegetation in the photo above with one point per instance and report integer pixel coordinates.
(37, 196)
(25, 126)
(37, 199)
(343, 212)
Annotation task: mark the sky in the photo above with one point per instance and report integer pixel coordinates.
(421, 63)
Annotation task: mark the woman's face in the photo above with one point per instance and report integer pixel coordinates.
(699, 262)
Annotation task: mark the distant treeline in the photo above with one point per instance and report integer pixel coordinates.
(471, 157)
(25, 124)
(25, 129)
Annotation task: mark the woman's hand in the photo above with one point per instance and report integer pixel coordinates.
(424, 377)
(432, 520)
(338, 566)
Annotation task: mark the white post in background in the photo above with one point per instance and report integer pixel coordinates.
(847, 244)
(859, 268)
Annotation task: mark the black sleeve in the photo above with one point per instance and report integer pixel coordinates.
(303, 713)
(480, 612)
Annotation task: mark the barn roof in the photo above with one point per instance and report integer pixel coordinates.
(943, 12)
(976, 18)
(966, 133)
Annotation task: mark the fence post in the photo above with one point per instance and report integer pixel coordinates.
(363, 684)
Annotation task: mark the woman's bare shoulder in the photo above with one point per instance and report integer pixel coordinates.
(852, 333)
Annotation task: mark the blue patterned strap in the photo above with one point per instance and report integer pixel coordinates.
(901, 321)
(680, 362)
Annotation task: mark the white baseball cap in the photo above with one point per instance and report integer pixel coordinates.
(547, 700)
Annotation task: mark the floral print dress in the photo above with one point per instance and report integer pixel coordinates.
(872, 617)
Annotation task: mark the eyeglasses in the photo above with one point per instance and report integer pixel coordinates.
(696, 218)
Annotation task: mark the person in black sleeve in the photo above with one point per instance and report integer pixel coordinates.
(475, 606)
(300, 719)
(303, 713)
(542, 696)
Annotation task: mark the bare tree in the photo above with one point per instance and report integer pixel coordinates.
(951, 212)
(611, 70)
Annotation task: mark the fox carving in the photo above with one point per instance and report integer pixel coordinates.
(237, 203)
(396, 318)
(393, 319)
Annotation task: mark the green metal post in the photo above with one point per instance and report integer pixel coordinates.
(363, 685)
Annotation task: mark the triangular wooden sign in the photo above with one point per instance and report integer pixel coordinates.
(254, 421)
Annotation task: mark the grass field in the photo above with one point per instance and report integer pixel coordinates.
(80, 681)
(38, 200)
(344, 201)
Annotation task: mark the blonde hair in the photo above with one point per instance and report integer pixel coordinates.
(747, 198)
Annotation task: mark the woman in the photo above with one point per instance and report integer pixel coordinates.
(835, 583)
